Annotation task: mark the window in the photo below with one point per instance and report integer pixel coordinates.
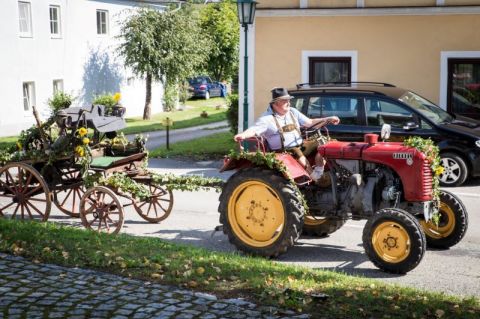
(331, 69)
(102, 22)
(28, 95)
(381, 112)
(55, 21)
(343, 107)
(25, 19)
(464, 87)
(57, 86)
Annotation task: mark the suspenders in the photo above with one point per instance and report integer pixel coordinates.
(281, 131)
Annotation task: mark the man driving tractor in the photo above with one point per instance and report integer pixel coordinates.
(280, 126)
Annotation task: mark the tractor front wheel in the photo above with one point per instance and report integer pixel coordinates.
(452, 225)
(260, 212)
(394, 241)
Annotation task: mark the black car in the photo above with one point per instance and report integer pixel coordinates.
(363, 107)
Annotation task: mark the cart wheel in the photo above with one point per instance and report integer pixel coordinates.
(157, 207)
(100, 210)
(68, 198)
(23, 193)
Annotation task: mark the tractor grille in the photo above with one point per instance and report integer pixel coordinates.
(427, 179)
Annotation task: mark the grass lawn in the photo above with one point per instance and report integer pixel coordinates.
(324, 294)
(181, 119)
(209, 147)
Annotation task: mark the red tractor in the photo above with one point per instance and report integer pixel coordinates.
(263, 210)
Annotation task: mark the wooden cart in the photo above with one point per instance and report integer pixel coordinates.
(28, 188)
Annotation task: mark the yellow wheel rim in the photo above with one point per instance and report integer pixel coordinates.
(256, 214)
(445, 226)
(314, 221)
(391, 242)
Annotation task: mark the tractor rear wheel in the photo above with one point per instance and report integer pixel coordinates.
(321, 226)
(394, 241)
(452, 225)
(260, 212)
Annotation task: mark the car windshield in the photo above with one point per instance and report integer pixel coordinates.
(427, 108)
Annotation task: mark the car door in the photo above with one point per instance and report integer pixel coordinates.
(403, 120)
(346, 107)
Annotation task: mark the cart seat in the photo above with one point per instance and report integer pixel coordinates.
(104, 162)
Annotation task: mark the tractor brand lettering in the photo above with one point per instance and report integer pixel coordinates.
(402, 156)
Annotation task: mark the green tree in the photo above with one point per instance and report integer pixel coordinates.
(161, 46)
(220, 24)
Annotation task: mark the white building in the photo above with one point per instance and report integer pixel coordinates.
(69, 45)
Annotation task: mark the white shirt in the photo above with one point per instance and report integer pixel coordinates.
(266, 127)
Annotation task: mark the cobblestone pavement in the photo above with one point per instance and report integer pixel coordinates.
(29, 290)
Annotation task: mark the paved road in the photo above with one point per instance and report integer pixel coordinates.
(194, 217)
(29, 290)
(158, 138)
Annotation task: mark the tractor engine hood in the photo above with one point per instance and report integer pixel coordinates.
(409, 164)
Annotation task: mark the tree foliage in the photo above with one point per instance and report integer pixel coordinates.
(220, 25)
(162, 46)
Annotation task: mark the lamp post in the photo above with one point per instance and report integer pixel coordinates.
(246, 15)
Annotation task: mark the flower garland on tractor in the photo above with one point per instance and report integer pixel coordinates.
(432, 153)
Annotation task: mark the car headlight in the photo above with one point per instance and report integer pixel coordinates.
(477, 142)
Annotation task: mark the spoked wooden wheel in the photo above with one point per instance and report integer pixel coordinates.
(23, 193)
(157, 207)
(101, 210)
(68, 198)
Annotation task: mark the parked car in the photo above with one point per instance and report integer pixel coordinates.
(363, 107)
(204, 87)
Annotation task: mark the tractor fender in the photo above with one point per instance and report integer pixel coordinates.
(293, 168)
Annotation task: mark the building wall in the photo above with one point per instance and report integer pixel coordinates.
(400, 47)
(86, 62)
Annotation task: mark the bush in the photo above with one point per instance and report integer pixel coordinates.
(170, 97)
(232, 112)
(60, 100)
(107, 100)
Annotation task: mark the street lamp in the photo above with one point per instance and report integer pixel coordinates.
(246, 15)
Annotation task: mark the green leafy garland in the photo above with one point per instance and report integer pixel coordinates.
(269, 160)
(431, 151)
(186, 182)
(124, 184)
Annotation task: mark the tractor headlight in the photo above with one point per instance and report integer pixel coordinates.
(477, 142)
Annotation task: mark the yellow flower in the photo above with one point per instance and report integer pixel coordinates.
(86, 140)
(19, 145)
(82, 131)
(439, 170)
(80, 151)
(117, 96)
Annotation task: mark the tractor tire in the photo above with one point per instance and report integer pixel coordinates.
(455, 170)
(452, 226)
(260, 212)
(321, 227)
(394, 241)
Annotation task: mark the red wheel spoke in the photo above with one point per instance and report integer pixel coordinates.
(13, 191)
(35, 208)
(37, 200)
(15, 212)
(66, 197)
(29, 179)
(13, 181)
(34, 190)
(29, 212)
(5, 207)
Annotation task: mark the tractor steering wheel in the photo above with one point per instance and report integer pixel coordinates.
(315, 130)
